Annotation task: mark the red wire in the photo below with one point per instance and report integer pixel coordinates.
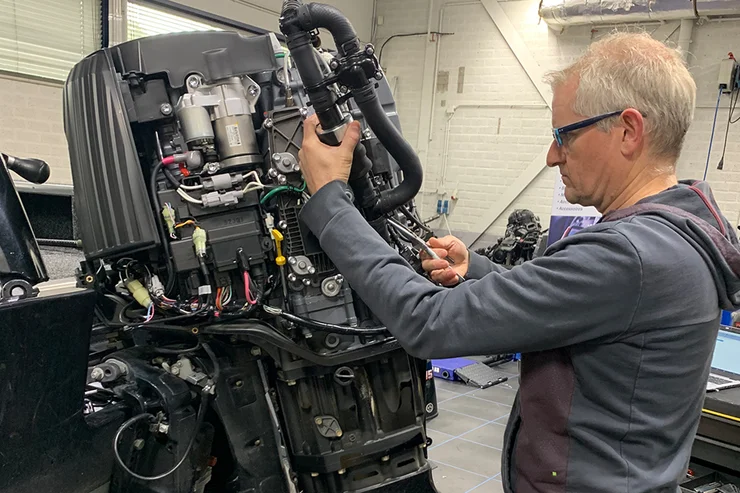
(250, 300)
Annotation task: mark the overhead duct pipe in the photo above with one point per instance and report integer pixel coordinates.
(580, 12)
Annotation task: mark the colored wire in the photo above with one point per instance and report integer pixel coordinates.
(281, 189)
(720, 415)
(247, 292)
(189, 222)
(149, 313)
(218, 299)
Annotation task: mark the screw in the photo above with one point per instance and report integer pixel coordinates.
(268, 123)
(339, 433)
(292, 260)
(276, 157)
(139, 444)
(166, 109)
(334, 64)
(164, 428)
(175, 370)
(282, 179)
(97, 374)
(385, 458)
(304, 112)
(253, 90)
(302, 264)
(283, 225)
(339, 279)
(341, 471)
(273, 173)
(256, 351)
(367, 133)
(296, 167)
(312, 270)
(318, 421)
(193, 81)
(292, 277)
(307, 282)
(370, 50)
(378, 75)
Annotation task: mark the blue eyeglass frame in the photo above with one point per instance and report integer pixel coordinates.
(557, 133)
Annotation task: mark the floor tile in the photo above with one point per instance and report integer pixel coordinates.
(491, 434)
(456, 387)
(492, 486)
(443, 395)
(503, 420)
(450, 480)
(469, 456)
(477, 408)
(496, 393)
(437, 436)
(509, 367)
(454, 424)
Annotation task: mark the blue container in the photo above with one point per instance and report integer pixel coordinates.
(726, 318)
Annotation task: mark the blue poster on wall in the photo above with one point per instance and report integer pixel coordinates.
(568, 219)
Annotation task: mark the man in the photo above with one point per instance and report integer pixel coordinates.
(616, 324)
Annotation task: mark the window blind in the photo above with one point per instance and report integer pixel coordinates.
(45, 38)
(144, 21)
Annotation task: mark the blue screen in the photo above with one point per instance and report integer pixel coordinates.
(727, 352)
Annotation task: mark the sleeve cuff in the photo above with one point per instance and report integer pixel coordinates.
(325, 204)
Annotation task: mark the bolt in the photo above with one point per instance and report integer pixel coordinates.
(369, 50)
(256, 351)
(304, 112)
(292, 260)
(302, 264)
(238, 384)
(385, 458)
(318, 421)
(139, 443)
(341, 471)
(339, 278)
(283, 225)
(292, 277)
(97, 374)
(212, 167)
(312, 270)
(378, 75)
(164, 428)
(257, 443)
(334, 64)
(268, 123)
(253, 91)
(175, 370)
(194, 81)
(276, 157)
(296, 168)
(17, 291)
(291, 383)
(314, 475)
(367, 133)
(339, 433)
(166, 109)
(282, 179)
(273, 172)
(307, 282)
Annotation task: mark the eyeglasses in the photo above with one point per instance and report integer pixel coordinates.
(557, 133)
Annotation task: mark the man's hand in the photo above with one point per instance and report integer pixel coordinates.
(322, 164)
(439, 270)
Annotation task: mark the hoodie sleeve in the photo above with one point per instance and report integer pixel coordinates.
(479, 266)
(586, 291)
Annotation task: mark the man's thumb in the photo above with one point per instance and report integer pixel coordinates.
(351, 137)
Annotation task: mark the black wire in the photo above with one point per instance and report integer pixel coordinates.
(216, 367)
(414, 219)
(163, 350)
(198, 423)
(160, 228)
(406, 35)
(333, 328)
(733, 103)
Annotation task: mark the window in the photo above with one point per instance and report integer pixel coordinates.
(147, 21)
(46, 38)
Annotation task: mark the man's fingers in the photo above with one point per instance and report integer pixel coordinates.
(441, 253)
(351, 137)
(434, 265)
(446, 242)
(446, 277)
(310, 128)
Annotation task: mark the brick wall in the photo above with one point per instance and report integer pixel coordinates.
(31, 124)
(489, 146)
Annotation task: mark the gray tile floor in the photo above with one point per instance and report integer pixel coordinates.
(468, 434)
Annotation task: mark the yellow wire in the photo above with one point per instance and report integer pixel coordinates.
(184, 224)
(725, 416)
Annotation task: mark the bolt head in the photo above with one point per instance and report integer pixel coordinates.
(304, 112)
(334, 64)
(139, 443)
(318, 421)
(341, 471)
(239, 384)
(175, 370)
(307, 282)
(385, 458)
(312, 270)
(302, 264)
(339, 433)
(166, 109)
(292, 277)
(378, 75)
(193, 81)
(253, 90)
(296, 167)
(283, 225)
(276, 157)
(273, 172)
(97, 374)
(268, 123)
(370, 50)
(292, 260)
(256, 351)
(314, 475)
(291, 383)
(282, 179)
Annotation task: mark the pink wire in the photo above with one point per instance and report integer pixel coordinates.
(250, 300)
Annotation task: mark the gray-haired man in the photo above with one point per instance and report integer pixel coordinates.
(617, 323)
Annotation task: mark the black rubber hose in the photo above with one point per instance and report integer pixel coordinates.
(334, 21)
(160, 228)
(391, 138)
(52, 242)
(333, 328)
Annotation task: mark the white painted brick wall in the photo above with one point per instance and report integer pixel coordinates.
(31, 124)
(486, 156)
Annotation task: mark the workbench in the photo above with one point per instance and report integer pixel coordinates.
(718, 438)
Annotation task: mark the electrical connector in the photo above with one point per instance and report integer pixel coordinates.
(199, 241)
(155, 286)
(168, 214)
(139, 292)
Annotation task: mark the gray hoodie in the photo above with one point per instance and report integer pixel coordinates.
(616, 324)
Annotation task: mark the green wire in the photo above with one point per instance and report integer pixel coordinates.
(281, 189)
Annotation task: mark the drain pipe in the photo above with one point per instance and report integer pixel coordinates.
(684, 37)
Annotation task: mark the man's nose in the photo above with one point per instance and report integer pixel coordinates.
(555, 155)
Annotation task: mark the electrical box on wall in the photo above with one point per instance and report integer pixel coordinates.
(727, 70)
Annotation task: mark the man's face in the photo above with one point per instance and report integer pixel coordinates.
(588, 158)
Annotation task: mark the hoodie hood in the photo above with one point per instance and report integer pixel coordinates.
(689, 208)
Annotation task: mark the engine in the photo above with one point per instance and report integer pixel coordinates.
(523, 232)
(239, 356)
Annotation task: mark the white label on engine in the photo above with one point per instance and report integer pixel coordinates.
(232, 133)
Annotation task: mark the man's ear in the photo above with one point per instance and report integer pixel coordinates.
(633, 135)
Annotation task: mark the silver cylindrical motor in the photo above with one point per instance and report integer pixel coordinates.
(236, 140)
(195, 122)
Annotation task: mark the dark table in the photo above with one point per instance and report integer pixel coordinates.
(718, 438)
